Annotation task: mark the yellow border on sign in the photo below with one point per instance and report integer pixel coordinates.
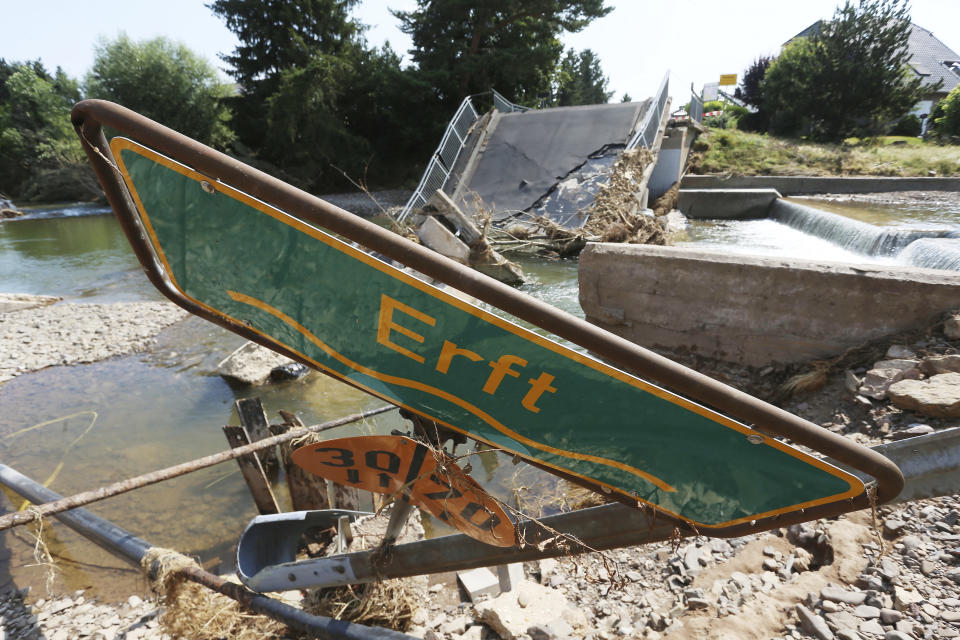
(119, 143)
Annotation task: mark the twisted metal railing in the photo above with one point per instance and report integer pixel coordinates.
(696, 106)
(647, 131)
(438, 171)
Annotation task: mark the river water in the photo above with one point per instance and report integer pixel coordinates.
(85, 426)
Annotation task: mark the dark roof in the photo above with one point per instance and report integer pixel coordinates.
(932, 59)
(929, 58)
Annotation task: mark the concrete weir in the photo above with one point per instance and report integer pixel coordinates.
(753, 310)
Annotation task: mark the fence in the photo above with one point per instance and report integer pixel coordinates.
(445, 157)
(647, 131)
(696, 106)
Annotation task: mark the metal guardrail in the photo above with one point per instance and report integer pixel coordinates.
(441, 164)
(647, 131)
(696, 106)
(445, 157)
(503, 105)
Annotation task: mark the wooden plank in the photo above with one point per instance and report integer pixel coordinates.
(307, 491)
(252, 472)
(254, 420)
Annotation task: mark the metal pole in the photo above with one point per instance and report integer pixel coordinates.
(127, 546)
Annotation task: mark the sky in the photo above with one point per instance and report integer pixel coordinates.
(638, 42)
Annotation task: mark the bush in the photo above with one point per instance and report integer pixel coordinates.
(712, 105)
(946, 115)
(909, 125)
(757, 122)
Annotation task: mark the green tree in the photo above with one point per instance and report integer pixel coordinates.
(750, 85)
(946, 115)
(40, 155)
(163, 81)
(276, 36)
(851, 77)
(579, 79)
(462, 47)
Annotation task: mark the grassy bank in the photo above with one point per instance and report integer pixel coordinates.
(736, 152)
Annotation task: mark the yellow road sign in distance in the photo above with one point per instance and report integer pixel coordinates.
(728, 79)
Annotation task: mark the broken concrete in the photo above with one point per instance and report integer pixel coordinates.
(726, 203)
(252, 364)
(434, 235)
(753, 310)
(938, 396)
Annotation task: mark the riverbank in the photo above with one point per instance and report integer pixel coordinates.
(740, 153)
(69, 333)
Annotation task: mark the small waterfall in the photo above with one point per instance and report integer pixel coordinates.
(934, 253)
(847, 233)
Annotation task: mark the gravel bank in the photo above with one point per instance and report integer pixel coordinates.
(70, 333)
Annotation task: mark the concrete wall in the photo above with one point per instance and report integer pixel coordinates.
(671, 160)
(726, 203)
(799, 185)
(753, 310)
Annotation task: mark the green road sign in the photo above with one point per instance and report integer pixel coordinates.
(385, 331)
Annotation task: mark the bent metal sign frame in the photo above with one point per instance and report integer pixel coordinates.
(298, 275)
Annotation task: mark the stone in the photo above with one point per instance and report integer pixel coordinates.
(903, 364)
(433, 234)
(852, 381)
(837, 594)
(509, 620)
(903, 598)
(22, 301)
(899, 351)
(933, 365)
(910, 543)
(549, 565)
(288, 371)
(454, 627)
(813, 624)
(889, 568)
(848, 634)
(928, 567)
(897, 635)
(479, 582)
(554, 630)
(890, 616)
(893, 526)
(877, 382)
(950, 616)
(698, 603)
(251, 364)
(872, 627)
(866, 612)
(937, 396)
(842, 620)
(951, 327)
(473, 633)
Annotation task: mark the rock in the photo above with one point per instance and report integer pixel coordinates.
(289, 371)
(872, 628)
(911, 542)
(698, 603)
(852, 381)
(899, 351)
(509, 620)
(897, 635)
(251, 364)
(675, 222)
(433, 234)
(454, 627)
(877, 382)
(934, 365)
(903, 598)
(813, 624)
(479, 582)
(950, 616)
(912, 431)
(892, 527)
(951, 327)
(555, 630)
(836, 594)
(938, 396)
(866, 612)
(842, 620)
(890, 616)
(473, 633)
(549, 565)
(848, 634)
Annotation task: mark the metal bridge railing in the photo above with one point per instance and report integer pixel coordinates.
(696, 106)
(503, 105)
(647, 131)
(437, 174)
(441, 164)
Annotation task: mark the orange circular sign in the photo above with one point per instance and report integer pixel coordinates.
(433, 481)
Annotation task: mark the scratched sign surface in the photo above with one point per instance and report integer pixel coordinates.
(408, 342)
